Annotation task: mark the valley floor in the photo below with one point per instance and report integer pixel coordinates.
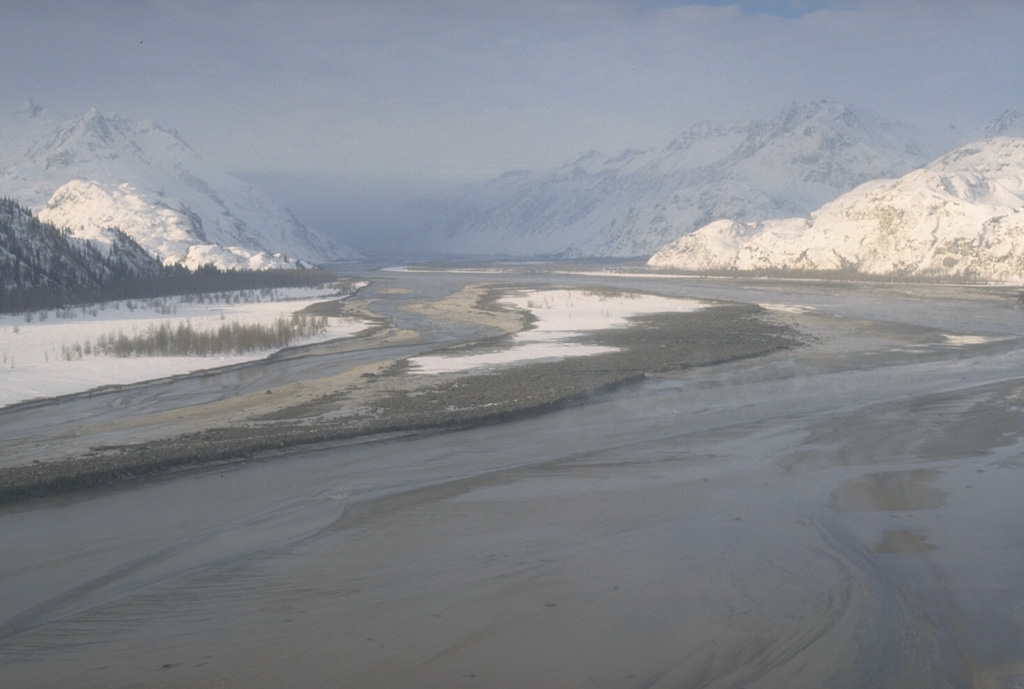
(840, 510)
(49, 353)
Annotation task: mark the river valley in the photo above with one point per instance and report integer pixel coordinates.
(836, 506)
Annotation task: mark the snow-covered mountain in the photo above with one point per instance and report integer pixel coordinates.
(101, 170)
(36, 255)
(961, 215)
(1010, 123)
(634, 202)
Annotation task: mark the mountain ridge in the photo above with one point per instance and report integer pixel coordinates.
(86, 172)
(37, 255)
(961, 216)
(633, 202)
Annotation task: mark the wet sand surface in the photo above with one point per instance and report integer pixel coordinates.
(843, 513)
(364, 386)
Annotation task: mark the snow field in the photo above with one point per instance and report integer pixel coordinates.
(40, 352)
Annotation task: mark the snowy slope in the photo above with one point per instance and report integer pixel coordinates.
(961, 215)
(634, 202)
(101, 169)
(27, 124)
(1010, 123)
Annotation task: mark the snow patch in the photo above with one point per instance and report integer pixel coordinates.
(561, 317)
(965, 340)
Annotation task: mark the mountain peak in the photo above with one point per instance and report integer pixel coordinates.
(96, 123)
(30, 109)
(850, 121)
(799, 111)
(1010, 123)
(101, 170)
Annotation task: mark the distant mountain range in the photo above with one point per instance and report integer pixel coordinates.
(820, 186)
(634, 202)
(960, 216)
(101, 170)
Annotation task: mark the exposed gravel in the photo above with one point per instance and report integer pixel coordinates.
(401, 402)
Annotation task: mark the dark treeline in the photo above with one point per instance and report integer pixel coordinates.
(37, 256)
(176, 281)
(43, 267)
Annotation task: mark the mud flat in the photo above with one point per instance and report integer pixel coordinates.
(844, 513)
(386, 399)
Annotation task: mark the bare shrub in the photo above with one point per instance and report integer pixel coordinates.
(184, 339)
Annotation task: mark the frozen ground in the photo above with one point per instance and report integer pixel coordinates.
(38, 356)
(561, 316)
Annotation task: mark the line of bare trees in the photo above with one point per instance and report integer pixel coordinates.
(167, 339)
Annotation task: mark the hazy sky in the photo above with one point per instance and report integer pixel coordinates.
(460, 89)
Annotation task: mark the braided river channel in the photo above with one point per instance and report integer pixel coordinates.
(845, 509)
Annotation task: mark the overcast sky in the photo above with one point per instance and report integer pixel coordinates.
(452, 90)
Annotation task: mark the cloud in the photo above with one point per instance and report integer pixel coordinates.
(454, 89)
